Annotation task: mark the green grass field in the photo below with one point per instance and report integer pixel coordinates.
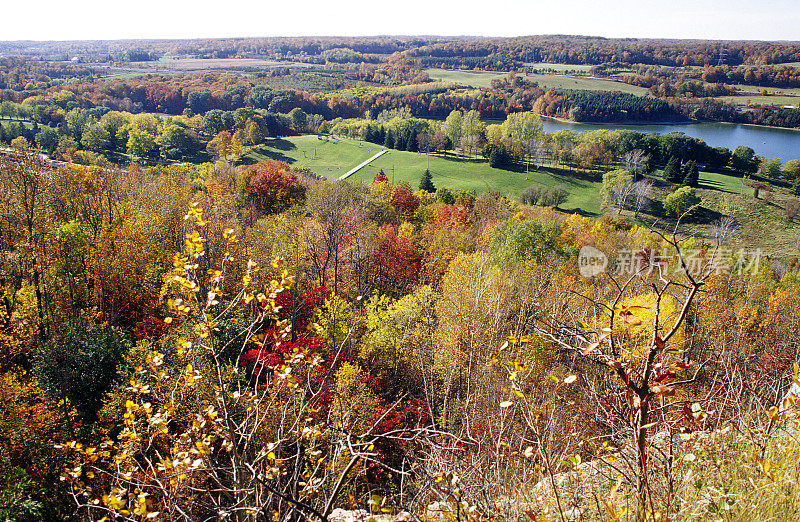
(28, 124)
(203, 64)
(123, 76)
(721, 182)
(468, 78)
(757, 99)
(545, 81)
(755, 89)
(560, 67)
(334, 157)
(763, 223)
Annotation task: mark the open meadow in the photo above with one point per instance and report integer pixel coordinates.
(333, 157)
(545, 81)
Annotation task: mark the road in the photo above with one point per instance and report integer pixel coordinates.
(356, 169)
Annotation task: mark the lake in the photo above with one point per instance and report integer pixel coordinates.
(767, 141)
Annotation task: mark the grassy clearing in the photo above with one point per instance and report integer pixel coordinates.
(200, 64)
(560, 67)
(28, 124)
(721, 182)
(468, 78)
(755, 89)
(545, 81)
(334, 157)
(762, 222)
(757, 99)
(122, 76)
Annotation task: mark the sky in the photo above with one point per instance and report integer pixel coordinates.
(146, 19)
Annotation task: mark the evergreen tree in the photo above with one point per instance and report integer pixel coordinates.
(411, 142)
(388, 140)
(426, 183)
(494, 157)
(79, 364)
(369, 134)
(399, 141)
(672, 172)
(691, 175)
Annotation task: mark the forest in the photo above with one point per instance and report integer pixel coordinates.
(186, 342)
(345, 77)
(205, 316)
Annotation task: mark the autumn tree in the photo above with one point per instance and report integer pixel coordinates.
(252, 423)
(404, 200)
(396, 263)
(337, 218)
(453, 127)
(24, 183)
(271, 187)
(142, 144)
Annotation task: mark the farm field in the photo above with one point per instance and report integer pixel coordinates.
(560, 67)
(758, 99)
(334, 157)
(545, 81)
(758, 90)
(200, 64)
(468, 78)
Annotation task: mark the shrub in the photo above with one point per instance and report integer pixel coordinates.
(79, 364)
(792, 209)
(677, 203)
(543, 196)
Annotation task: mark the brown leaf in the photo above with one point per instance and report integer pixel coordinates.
(662, 390)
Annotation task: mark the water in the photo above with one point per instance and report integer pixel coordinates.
(767, 141)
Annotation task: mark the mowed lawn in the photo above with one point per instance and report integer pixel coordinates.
(757, 99)
(333, 157)
(545, 81)
(721, 182)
